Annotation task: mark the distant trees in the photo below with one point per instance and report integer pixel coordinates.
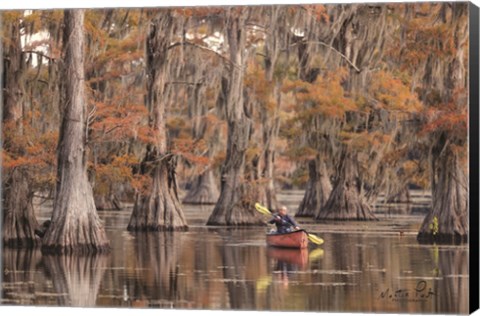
(19, 222)
(346, 101)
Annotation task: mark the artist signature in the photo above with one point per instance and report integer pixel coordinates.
(420, 292)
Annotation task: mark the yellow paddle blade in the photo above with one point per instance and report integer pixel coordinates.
(315, 239)
(263, 283)
(315, 254)
(262, 209)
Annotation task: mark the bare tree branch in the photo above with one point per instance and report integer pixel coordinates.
(186, 83)
(38, 53)
(333, 49)
(206, 49)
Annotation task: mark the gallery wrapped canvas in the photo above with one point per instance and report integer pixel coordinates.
(152, 153)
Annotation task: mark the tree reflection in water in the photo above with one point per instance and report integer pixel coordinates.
(454, 288)
(75, 278)
(18, 275)
(154, 273)
(220, 268)
(242, 266)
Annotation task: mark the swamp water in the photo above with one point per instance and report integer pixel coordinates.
(362, 267)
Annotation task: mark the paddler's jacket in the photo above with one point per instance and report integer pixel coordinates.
(284, 223)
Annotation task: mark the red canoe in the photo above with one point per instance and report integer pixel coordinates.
(298, 257)
(295, 239)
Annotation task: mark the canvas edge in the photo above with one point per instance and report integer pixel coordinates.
(473, 156)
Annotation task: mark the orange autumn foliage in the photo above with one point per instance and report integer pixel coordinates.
(446, 118)
(324, 97)
(393, 94)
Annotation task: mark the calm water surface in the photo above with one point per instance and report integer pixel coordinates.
(362, 267)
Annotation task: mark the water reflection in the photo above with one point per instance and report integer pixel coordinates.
(152, 271)
(19, 270)
(288, 259)
(222, 268)
(287, 262)
(243, 262)
(453, 288)
(76, 279)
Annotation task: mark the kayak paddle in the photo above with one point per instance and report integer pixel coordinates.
(265, 211)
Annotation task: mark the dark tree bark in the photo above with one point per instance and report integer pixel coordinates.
(75, 225)
(345, 201)
(160, 209)
(318, 189)
(19, 222)
(236, 203)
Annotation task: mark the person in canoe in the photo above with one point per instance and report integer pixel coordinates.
(284, 222)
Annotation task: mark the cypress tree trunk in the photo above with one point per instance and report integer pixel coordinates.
(401, 195)
(345, 201)
(269, 175)
(107, 202)
(204, 189)
(276, 20)
(318, 189)
(318, 186)
(19, 222)
(236, 203)
(447, 221)
(75, 225)
(361, 39)
(160, 209)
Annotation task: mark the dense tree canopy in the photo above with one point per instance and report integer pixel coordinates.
(229, 105)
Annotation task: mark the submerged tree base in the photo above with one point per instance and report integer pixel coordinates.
(112, 202)
(20, 243)
(447, 239)
(81, 249)
(241, 214)
(160, 209)
(157, 228)
(345, 204)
